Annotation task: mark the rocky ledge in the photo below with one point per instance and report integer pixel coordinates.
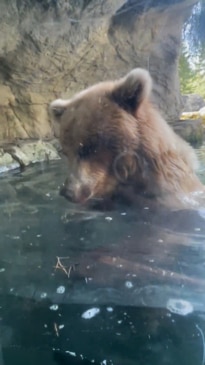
(13, 156)
(51, 49)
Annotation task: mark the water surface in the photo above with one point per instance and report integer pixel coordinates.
(123, 287)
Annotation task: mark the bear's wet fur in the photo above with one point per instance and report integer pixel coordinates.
(118, 144)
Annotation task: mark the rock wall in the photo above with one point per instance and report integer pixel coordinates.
(53, 48)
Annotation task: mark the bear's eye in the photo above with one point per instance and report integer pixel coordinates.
(85, 151)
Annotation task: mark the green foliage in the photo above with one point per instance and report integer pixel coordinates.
(192, 75)
(192, 60)
(186, 74)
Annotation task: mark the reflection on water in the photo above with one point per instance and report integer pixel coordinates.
(123, 287)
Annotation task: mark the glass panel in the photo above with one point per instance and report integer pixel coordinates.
(115, 273)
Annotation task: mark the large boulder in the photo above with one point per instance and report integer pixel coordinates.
(192, 102)
(190, 130)
(52, 49)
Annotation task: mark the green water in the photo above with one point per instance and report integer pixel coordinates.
(141, 274)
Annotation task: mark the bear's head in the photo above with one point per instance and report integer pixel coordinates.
(115, 140)
(99, 136)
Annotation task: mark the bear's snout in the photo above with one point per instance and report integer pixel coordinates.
(65, 192)
(76, 194)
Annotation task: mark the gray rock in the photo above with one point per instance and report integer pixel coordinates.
(192, 102)
(51, 49)
(14, 156)
(7, 162)
(191, 130)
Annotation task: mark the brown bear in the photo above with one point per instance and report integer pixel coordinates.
(117, 144)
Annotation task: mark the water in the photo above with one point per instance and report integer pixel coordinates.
(123, 287)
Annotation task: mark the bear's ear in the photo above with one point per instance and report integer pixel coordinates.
(57, 108)
(132, 89)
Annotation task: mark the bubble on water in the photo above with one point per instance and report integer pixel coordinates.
(2, 269)
(60, 290)
(179, 306)
(128, 284)
(90, 313)
(54, 307)
(61, 326)
(109, 219)
(109, 309)
(201, 212)
(43, 295)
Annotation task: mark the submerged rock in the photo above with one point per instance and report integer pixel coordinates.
(7, 162)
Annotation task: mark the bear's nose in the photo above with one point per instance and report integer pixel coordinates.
(84, 194)
(80, 195)
(65, 192)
